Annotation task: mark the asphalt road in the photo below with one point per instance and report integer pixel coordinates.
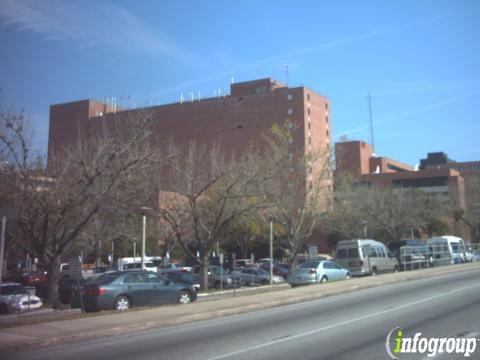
(348, 326)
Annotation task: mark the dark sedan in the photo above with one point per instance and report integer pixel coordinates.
(122, 290)
(183, 277)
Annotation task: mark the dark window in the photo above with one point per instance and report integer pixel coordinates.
(420, 182)
(352, 253)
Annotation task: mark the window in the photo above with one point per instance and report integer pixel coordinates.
(326, 119)
(309, 125)
(326, 105)
(290, 111)
(341, 254)
(308, 97)
(308, 111)
(309, 140)
(328, 134)
(352, 253)
(289, 97)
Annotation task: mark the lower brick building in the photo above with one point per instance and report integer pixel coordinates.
(358, 159)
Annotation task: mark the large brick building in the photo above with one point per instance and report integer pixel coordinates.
(235, 121)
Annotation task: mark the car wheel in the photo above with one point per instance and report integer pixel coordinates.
(324, 279)
(348, 276)
(3, 309)
(265, 282)
(395, 269)
(374, 271)
(184, 297)
(121, 303)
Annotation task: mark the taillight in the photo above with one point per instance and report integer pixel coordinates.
(312, 271)
(95, 291)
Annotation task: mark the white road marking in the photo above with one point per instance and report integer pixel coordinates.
(343, 323)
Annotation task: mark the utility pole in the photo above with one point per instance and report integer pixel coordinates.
(371, 120)
(271, 252)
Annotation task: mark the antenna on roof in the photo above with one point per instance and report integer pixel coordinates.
(286, 73)
(181, 98)
(371, 120)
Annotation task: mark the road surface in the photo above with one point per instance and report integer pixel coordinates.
(347, 326)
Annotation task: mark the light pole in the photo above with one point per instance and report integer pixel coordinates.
(271, 252)
(364, 229)
(144, 232)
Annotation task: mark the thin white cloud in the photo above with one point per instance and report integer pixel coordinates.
(104, 25)
(422, 109)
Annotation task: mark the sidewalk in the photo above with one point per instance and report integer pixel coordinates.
(92, 326)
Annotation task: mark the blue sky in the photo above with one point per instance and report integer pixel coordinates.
(420, 60)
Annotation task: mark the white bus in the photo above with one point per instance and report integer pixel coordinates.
(131, 263)
(447, 249)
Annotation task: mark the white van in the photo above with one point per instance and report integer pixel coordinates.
(447, 250)
(130, 263)
(365, 257)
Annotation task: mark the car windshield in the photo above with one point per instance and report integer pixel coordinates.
(216, 270)
(309, 264)
(188, 277)
(13, 290)
(262, 272)
(457, 247)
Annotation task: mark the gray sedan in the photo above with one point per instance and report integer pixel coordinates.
(315, 271)
(124, 289)
(256, 276)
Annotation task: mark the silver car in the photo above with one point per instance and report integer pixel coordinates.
(256, 276)
(317, 271)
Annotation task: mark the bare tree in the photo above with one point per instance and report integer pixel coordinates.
(346, 215)
(209, 191)
(298, 189)
(58, 205)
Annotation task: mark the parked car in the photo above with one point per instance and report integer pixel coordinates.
(255, 276)
(25, 277)
(278, 269)
(317, 271)
(122, 290)
(411, 254)
(365, 257)
(183, 277)
(215, 277)
(243, 263)
(16, 298)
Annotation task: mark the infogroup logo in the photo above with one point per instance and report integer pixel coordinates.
(396, 344)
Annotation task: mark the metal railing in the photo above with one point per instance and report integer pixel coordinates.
(422, 257)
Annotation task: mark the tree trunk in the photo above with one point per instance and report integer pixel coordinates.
(53, 277)
(204, 272)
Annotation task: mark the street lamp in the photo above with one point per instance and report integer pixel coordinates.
(364, 229)
(144, 210)
(271, 253)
